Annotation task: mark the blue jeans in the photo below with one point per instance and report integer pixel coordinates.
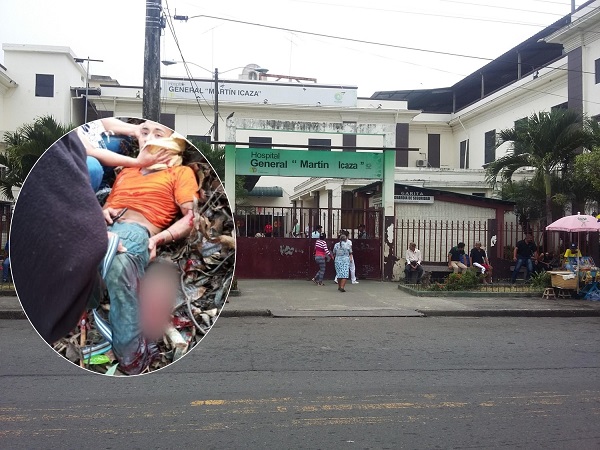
(6, 269)
(122, 281)
(96, 172)
(520, 262)
(320, 260)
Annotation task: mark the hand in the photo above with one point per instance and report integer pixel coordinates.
(146, 159)
(109, 213)
(152, 248)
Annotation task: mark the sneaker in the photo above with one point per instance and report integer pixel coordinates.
(314, 281)
(355, 282)
(335, 280)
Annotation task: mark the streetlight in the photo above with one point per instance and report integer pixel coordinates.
(87, 82)
(216, 78)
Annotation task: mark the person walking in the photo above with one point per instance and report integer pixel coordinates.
(342, 252)
(322, 256)
(524, 251)
(454, 258)
(352, 261)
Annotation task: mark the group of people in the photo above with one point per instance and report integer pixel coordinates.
(342, 255)
(458, 261)
(525, 254)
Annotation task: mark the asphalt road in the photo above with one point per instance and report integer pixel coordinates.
(321, 383)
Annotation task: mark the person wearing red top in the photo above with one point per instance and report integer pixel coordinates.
(322, 255)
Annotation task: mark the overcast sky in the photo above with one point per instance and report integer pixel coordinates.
(113, 31)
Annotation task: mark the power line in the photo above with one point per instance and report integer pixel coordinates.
(187, 69)
(361, 41)
(419, 13)
(508, 8)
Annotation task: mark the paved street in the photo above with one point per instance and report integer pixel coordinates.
(321, 382)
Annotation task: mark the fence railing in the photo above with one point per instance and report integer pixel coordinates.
(279, 221)
(436, 237)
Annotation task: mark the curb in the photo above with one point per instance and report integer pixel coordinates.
(513, 313)
(245, 313)
(12, 314)
(467, 294)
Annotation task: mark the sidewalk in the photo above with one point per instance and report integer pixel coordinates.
(299, 298)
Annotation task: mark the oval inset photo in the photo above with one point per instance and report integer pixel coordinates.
(122, 246)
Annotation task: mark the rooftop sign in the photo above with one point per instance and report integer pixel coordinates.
(307, 163)
(260, 93)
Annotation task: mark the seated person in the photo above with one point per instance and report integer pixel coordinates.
(570, 256)
(153, 198)
(480, 260)
(413, 263)
(455, 255)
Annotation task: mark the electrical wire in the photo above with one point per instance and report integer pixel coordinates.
(187, 69)
(362, 41)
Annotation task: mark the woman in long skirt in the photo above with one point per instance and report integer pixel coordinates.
(342, 252)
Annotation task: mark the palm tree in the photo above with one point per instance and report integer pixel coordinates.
(24, 147)
(547, 142)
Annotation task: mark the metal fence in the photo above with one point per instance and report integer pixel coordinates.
(436, 237)
(279, 221)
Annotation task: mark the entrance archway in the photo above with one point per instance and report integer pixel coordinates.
(376, 163)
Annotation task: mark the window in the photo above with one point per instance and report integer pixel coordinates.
(464, 154)
(44, 85)
(597, 67)
(490, 147)
(261, 142)
(319, 144)
(433, 150)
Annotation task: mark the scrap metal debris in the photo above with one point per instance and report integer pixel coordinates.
(204, 264)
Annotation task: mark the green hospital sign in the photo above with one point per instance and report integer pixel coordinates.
(307, 163)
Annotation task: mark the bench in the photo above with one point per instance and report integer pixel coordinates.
(437, 268)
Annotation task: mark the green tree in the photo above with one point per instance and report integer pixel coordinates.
(24, 147)
(547, 142)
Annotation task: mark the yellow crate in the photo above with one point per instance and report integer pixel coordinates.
(559, 281)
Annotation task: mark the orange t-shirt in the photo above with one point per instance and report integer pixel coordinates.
(157, 195)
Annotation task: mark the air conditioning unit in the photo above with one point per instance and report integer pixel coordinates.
(421, 163)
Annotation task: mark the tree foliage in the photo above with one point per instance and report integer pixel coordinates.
(547, 142)
(24, 147)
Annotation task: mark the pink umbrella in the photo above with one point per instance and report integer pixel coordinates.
(575, 223)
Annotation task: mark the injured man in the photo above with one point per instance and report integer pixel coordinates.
(141, 210)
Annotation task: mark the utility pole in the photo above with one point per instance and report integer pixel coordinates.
(216, 123)
(151, 91)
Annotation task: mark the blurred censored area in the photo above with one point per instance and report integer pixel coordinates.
(145, 225)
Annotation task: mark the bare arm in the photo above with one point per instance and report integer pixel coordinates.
(119, 127)
(178, 230)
